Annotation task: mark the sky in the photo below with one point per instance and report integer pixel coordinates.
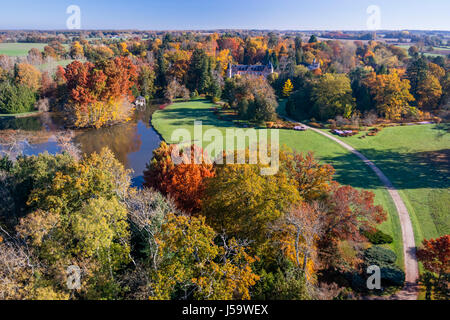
(226, 14)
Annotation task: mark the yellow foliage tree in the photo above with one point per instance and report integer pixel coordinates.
(287, 88)
(29, 76)
(390, 93)
(190, 258)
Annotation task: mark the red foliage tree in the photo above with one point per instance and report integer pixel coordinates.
(435, 255)
(349, 212)
(352, 211)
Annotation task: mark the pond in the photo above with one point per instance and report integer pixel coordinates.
(132, 142)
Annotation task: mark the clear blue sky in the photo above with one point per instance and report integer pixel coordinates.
(215, 14)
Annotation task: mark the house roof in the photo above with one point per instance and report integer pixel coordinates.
(255, 68)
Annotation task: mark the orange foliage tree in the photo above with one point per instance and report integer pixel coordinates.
(99, 94)
(184, 182)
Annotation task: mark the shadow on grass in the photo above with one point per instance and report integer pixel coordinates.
(405, 170)
(442, 130)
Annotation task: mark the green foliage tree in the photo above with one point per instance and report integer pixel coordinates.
(16, 98)
(332, 96)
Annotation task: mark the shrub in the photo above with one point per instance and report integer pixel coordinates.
(315, 125)
(194, 95)
(392, 276)
(378, 237)
(379, 256)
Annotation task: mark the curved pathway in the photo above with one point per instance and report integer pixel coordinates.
(410, 291)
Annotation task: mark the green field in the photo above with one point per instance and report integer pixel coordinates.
(416, 160)
(349, 169)
(19, 49)
(430, 54)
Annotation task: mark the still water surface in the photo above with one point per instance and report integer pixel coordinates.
(132, 142)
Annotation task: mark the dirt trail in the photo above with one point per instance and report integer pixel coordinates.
(410, 291)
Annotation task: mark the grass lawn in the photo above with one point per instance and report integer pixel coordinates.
(350, 170)
(19, 49)
(417, 161)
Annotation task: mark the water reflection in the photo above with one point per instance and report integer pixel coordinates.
(132, 142)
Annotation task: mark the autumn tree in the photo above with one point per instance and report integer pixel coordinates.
(435, 255)
(299, 232)
(425, 80)
(390, 93)
(243, 203)
(193, 266)
(332, 96)
(28, 75)
(175, 90)
(99, 94)
(287, 88)
(34, 57)
(350, 213)
(76, 50)
(185, 182)
(159, 170)
(429, 93)
(313, 179)
(188, 182)
(253, 98)
(65, 225)
(146, 81)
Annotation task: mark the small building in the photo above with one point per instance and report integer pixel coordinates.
(315, 65)
(253, 70)
(140, 102)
